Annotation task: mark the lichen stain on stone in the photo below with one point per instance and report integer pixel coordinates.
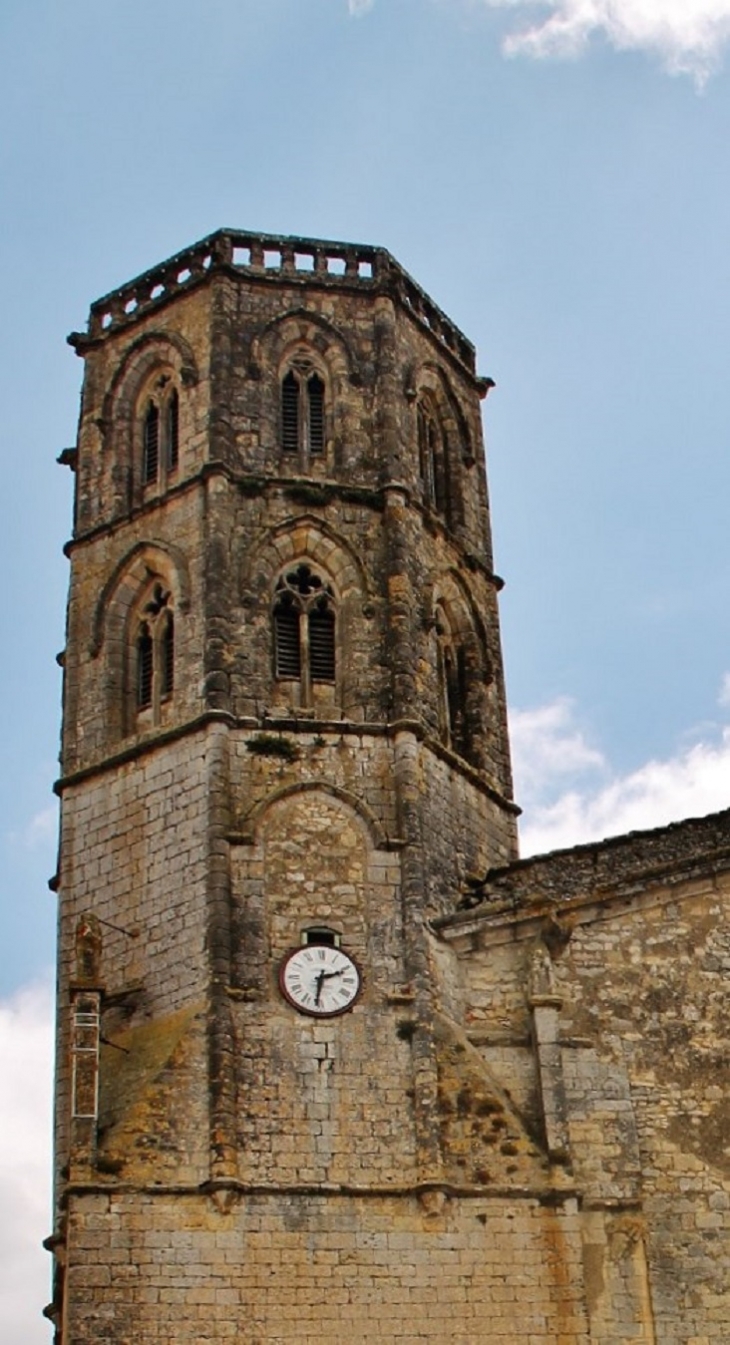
(484, 1140)
(709, 1139)
(133, 1094)
(625, 1231)
(593, 1267)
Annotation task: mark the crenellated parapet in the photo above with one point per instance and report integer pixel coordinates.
(272, 259)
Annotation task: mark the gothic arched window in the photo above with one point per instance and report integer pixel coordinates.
(160, 431)
(303, 413)
(154, 653)
(456, 682)
(433, 463)
(304, 630)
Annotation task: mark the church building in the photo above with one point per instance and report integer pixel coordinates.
(334, 1064)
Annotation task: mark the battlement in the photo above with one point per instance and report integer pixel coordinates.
(273, 259)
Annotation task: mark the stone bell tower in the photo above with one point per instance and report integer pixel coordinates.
(284, 755)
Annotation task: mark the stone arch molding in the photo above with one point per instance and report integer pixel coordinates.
(145, 561)
(430, 379)
(153, 350)
(372, 829)
(451, 595)
(305, 538)
(299, 329)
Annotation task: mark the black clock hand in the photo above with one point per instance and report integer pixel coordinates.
(320, 979)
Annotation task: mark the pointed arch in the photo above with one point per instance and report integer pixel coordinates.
(130, 574)
(304, 328)
(450, 591)
(443, 441)
(463, 667)
(134, 630)
(252, 822)
(305, 367)
(144, 410)
(152, 349)
(306, 537)
(323, 639)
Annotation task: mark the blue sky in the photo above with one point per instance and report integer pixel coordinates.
(556, 176)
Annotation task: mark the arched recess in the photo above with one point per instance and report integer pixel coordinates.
(442, 440)
(302, 326)
(314, 858)
(304, 348)
(310, 536)
(150, 583)
(374, 833)
(306, 543)
(142, 562)
(463, 669)
(154, 357)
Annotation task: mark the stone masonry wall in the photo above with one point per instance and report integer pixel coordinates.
(309, 1268)
(640, 977)
(320, 1101)
(134, 854)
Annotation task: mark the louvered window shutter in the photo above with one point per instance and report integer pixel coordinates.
(286, 637)
(145, 659)
(167, 651)
(322, 644)
(151, 444)
(290, 414)
(173, 415)
(315, 394)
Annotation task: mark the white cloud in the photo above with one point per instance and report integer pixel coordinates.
(590, 803)
(42, 828)
(687, 36)
(724, 694)
(39, 832)
(26, 1063)
(358, 7)
(548, 744)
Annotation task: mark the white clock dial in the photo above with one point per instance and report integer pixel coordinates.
(319, 979)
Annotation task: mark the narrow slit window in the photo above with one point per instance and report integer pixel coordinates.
(315, 396)
(145, 666)
(287, 641)
(290, 413)
(453, 696)
(173, 420)
(151, 459)
(322, 643)
(160, 432)
(433, 462)
(438, 467)
(425, 459)
(167, 660)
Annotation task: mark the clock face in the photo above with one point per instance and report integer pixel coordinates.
(319, 980)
